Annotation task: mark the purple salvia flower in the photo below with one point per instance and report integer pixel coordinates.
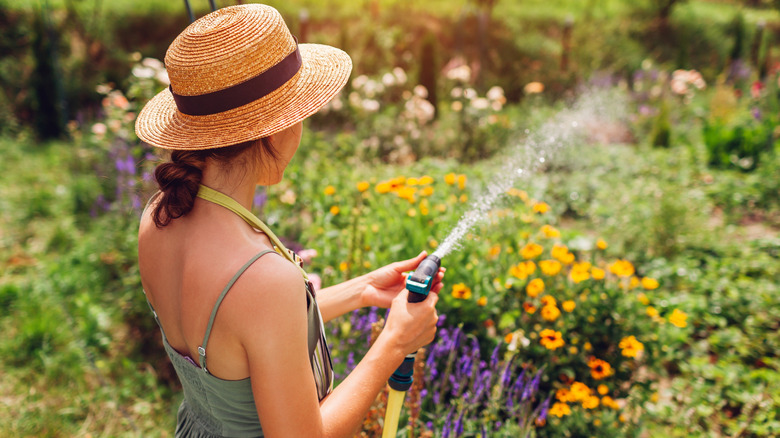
(494, 356)
(441, 320)
(459, 425)
(545, 409)
(130, 165)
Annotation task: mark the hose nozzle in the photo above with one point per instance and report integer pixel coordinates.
(419, 282)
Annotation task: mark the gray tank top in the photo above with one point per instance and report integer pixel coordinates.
(213, 407)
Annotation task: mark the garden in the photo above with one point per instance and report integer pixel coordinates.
(613, 167)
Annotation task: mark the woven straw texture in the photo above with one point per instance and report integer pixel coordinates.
(228, 47)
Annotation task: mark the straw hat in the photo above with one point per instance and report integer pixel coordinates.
(237, 75)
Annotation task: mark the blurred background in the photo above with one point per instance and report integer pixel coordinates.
(626, 285)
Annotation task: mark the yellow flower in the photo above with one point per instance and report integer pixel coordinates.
(573, 350)
(587, 346)
(548, 300)
(601, 244)
(450, 178)
(651, 311)
(597, 274)
(383, 187)
(343, 266)
(550, 267)
(426, 191)
(561, 253)
(649, 283)
(551, 339)
(622, 268)
(461, 291)
(508, 337)
(541, 207)
(579, 391)
(531, 250)
(482, 301)
(602, 389)
(362, 186)
(461, 181)
(426, 180)
(569, 305)
(550, 232)
(412, 181)
(579, 272)
(550, 313)
(534, 287)
(609, 402)
(678, 318)
(590, 402)
(463, 199)
(407, 193)
(529, 308)
(335, 210)
(559, 410)
(599, 369)
(411, 212)
(630, 346)
(433, 243)
(494, 250)
(330, 190)
(634, 282)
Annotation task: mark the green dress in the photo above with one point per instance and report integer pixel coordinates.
(214, 407)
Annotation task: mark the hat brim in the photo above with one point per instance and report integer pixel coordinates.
(324, 72)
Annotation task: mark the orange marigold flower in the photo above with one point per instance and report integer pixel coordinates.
(601, 244)
(461, 291)
(649, 283)
(531, 250)
(508, 337)
(450, 178)
(334, 210)
(550, 232)
(580, 272)
(599, 369)
(529, 308)
(549, 300)
(563, 395)
(330, 190)
(551, 339)
(426, 191)
(559, 410)
(550, 313)
(494, 250)
(362, 186)
(550, 267)
(602, 389)
(534, 287)
(412, 182)
(630, 346)
(569, 305)
(426, 180)
(597, 273)
(541, 207)
(678, 318)
(482, 301)
(343, 266)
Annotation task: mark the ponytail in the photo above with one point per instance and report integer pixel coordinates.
(179, 179)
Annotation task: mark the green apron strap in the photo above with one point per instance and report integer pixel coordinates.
(231, 204)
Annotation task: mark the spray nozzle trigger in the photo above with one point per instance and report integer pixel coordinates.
(419, 282)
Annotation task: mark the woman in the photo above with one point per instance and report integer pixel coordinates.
(240, 322)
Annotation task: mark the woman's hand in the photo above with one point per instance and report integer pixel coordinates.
(386, 282)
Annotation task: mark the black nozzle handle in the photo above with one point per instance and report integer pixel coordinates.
(427, 268)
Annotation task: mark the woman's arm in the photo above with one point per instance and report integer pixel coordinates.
(377, 288)
(274, 335)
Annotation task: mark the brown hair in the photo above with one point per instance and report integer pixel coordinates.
(179, 178)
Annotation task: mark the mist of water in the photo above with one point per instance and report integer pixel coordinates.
(540, 148)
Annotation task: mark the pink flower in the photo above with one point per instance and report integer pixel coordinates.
(316, 282)
(307, 255)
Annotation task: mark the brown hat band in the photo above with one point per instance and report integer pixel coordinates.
(242, 93)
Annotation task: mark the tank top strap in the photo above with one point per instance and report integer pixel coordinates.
(231, 204)
(202, 347)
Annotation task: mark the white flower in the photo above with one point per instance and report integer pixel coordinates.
(359, 81)
(370, 105)
(421, 91)
(400, 75)
(456, 92)
(288, 197)
(496, 93)
(142, 72)
(461, 73)
(480, 103)
(388, 79)
(99, 129)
